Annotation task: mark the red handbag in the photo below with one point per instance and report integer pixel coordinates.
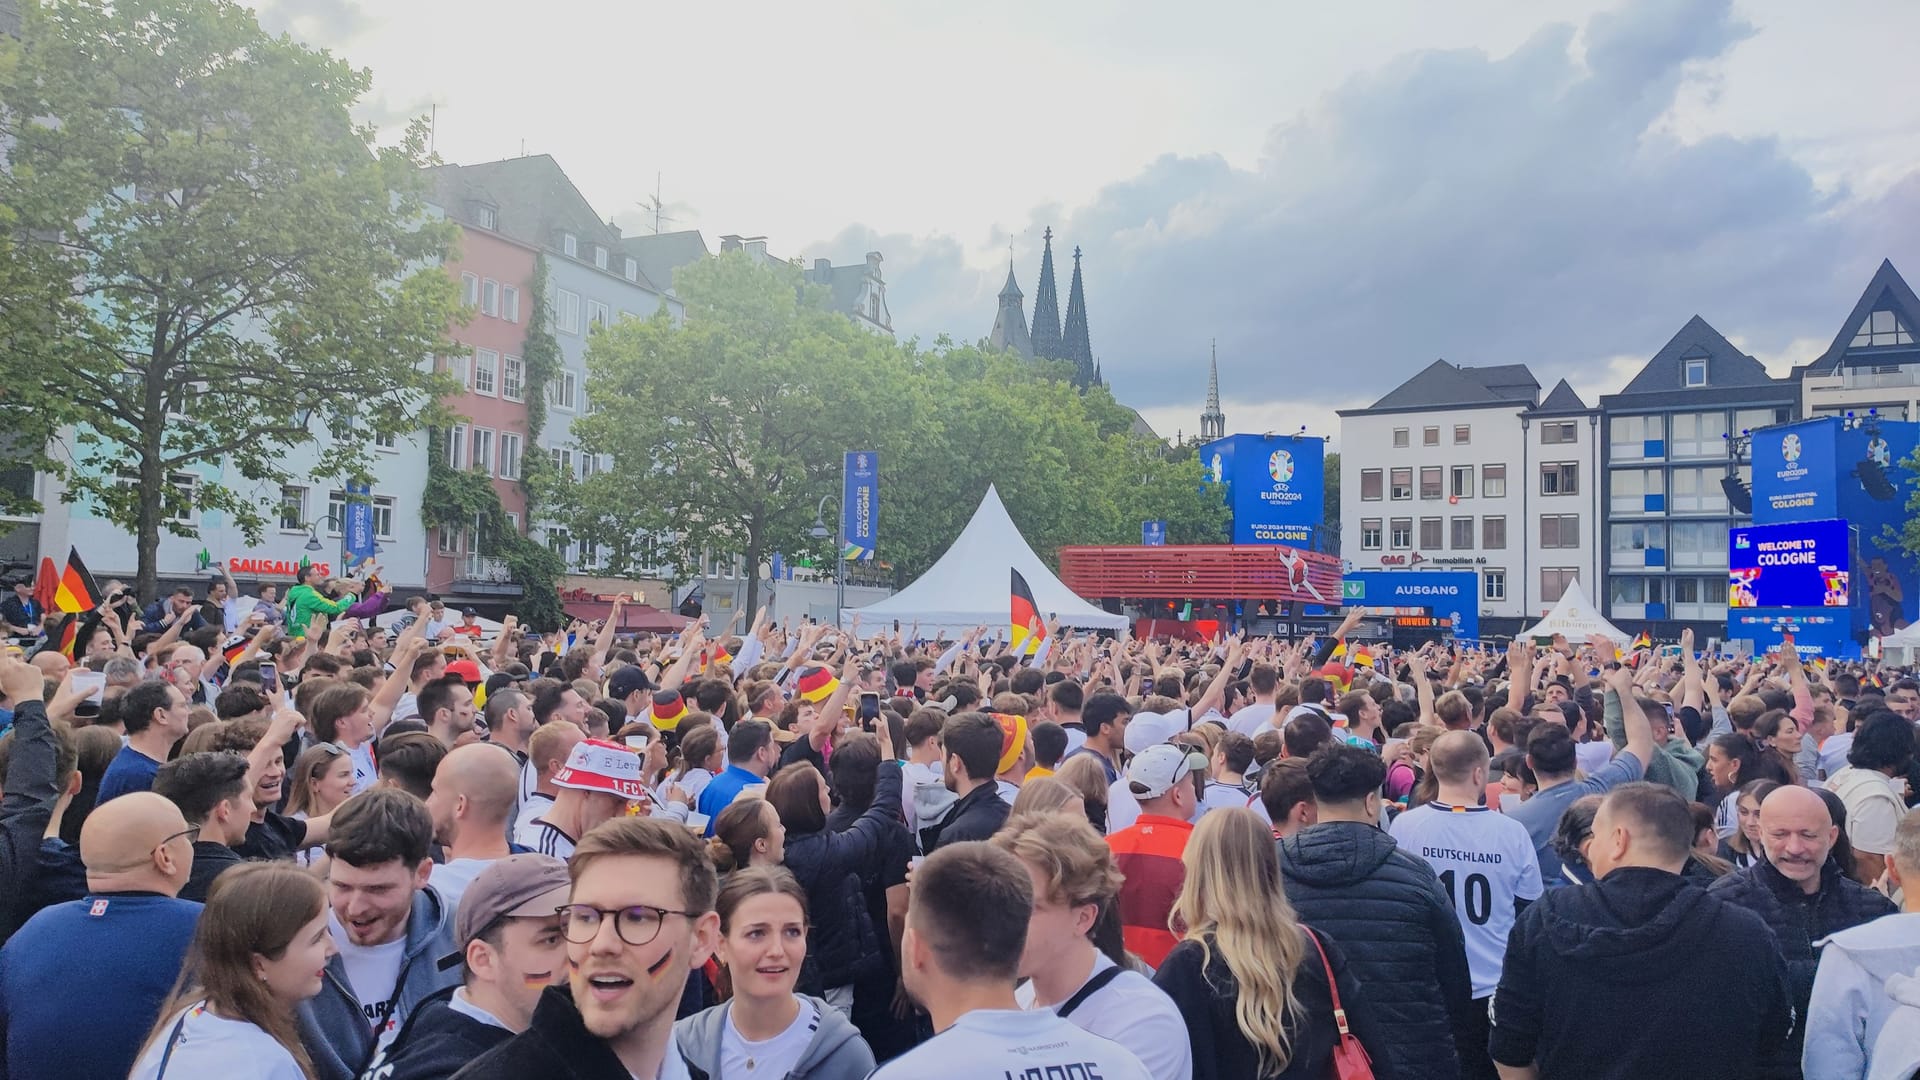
(1350, 1060)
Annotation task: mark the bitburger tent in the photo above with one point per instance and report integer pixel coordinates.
(1577, 618)
(971, 584)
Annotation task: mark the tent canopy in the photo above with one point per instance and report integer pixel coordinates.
(1576, 617)
(971, 585)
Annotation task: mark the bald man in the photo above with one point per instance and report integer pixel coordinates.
(108, 960)
(1801, 893)
(52, 663)
(474, 792)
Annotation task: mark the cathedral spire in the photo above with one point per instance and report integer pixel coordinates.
(1010, 325)
(1046, 307)
(1213, 422)
(1076, 345)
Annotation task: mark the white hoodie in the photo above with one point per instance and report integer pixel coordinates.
(1854, 995)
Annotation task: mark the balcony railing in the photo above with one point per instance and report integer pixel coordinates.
(485, 568)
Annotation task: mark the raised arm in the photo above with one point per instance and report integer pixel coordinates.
(1632, 717)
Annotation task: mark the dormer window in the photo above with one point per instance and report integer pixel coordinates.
(599, 256)
(632, 269)
(1695, 371)
(486, 217)
(570, 245)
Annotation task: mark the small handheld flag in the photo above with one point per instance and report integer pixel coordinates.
(1643, 641)
(76, 591)
(1025, 612)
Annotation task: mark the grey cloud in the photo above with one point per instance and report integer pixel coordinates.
(326, 23)
(1524, 209)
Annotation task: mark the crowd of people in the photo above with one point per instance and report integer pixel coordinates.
(256, 838)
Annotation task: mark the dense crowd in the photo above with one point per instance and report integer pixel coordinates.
(255, 837)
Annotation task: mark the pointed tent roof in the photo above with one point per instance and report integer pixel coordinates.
(1077, 345)
(1010, 323)
(1576, 617)
(971, 584)
(1887, 291)
(1046, 307)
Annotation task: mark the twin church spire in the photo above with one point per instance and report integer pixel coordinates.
(1048, 339)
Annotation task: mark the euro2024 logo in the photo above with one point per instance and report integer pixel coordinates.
(1280, 466)
(1790, 449)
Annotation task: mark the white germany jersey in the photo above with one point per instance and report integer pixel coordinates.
(1485, 861)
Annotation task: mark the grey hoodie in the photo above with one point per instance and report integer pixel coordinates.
(1853, 995)
(334, 1030)
(837, 1051)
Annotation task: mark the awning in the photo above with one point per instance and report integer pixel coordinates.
(634, 618)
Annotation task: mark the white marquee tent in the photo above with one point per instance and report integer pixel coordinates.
(971, 584)
(1577, 618)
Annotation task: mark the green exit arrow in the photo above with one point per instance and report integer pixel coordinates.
(1353, 590)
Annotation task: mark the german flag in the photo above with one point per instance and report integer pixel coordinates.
(816, 684)
(233, 647)
(76, 591)
(669, 708)
(1361, 657)
(1643, 641)
(1025, 611)
(63, 634)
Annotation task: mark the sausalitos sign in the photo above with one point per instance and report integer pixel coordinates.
(281, 567)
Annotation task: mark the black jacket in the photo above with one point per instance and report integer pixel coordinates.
(435, 1042)
(210, 859)
(27, 807)
(842, 945)
(556, 1046)
(1642, 973)
(977, 816)
(1401, 937)
(1799, 920)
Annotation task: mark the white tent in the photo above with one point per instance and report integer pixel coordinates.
(971, 584)
(1577, 618)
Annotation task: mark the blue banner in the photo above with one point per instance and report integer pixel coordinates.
(1453, 596)
(1794, 478)
(357, 530)
(1274, 485)
(860, 504)
(1817, 631)
(1153, 533)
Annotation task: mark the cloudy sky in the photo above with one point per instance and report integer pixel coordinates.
(1337, 196)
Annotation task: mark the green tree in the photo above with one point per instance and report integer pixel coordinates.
(208, 263)
(1330, 502)
(726, 430)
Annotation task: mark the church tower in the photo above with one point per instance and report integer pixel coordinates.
(1010, 325)
(1046, 308)
(1213, 422)
(1077, 346)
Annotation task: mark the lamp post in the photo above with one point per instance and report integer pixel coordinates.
(820, 532)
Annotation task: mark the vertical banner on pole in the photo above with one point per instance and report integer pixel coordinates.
(860, 505)
(357, 539)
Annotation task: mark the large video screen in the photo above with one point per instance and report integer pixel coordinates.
(1799, 564)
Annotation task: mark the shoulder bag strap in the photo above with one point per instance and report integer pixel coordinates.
(1088, 989)
(172, 1038)
(1333, 985)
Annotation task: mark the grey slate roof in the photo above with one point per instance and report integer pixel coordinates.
(1010, 323)
(1887, 285)
(536, 202)
(661, 254)
(1561, 399)
(1726, 365)
(9, 17)
(1441, 384)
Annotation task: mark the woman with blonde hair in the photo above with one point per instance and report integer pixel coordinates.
(1085, 775)
(1257, 986)
(260, 949)
(1047, 795)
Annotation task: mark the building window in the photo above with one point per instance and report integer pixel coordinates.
(563, 460)
(1430, 534)
(1369, 534)
(1749, 419)
(1400, 534)
(1462, 534)
(461, 368)
(510, 303)
(509, 455)
(448, 541)
(1633, 590)
(1399, 438)
(383, 517)
(1636, 438)
(486, 217)
(599, 256)
(1559, 432)
(566, 315)
(486, 368)
(632, 269)
(1698, 543)
(513, 522)
(1882, 328)
(1493, 481)
(483, 450)
(1462, 434)
(386, 441)
(1631, 488)
(1370, 485)
(557, 542)
(490, 297)
(1697, 491)
(564, 391)
(570, 245)
(1560, 530)
(1698, 435)
(1560, 478)
(1430, 487)
(596, 315)
(1401, 484)
(1554, 581)
(1430, 436)
(1460, 482)
(457, 445)
(1638, 536)
(336, 512)
(470, 290)
(1493, 584)
(1695, 368)
(513, 379)
(1493, 532)
(293, 509)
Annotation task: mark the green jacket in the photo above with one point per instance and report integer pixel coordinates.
(304, 602)
(1676, 764)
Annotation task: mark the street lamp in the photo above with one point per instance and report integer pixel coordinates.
(819, 532)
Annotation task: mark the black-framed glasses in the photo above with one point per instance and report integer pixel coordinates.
(191, 832)
(637, 924)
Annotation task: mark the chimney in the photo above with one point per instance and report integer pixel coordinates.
(822, 269)
(757, 247)
(613, 228)
(729, 243)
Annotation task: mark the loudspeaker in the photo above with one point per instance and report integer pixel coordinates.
(1739, 495)
(1873, 477)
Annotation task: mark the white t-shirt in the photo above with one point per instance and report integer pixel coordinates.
(546, 839)
(209, 1045)
(407, 708)
(1833, 752)
(1252, 719)
(451, 878)
(1591, 757)
(1014, 1042)
(1219, 796)
(374, 972)
(536, 804)
(1133, 1012)
(1007, 789)
(772, 1058)
(1874, 808)
(1485, 861)
(364, 771)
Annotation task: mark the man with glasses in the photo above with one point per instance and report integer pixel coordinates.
(154, 714)
(639, 920)
(1167, 781)
(83, 981)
